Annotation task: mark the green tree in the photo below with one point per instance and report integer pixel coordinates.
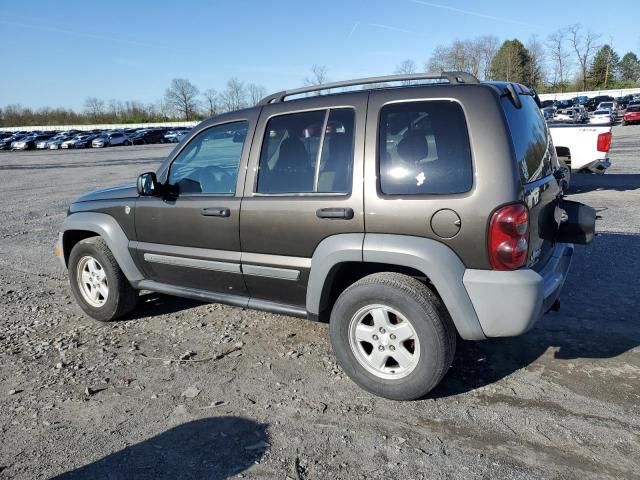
(512, 63)
(629, 68)
(604, 67)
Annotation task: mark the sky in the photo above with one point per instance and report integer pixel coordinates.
(59, 53)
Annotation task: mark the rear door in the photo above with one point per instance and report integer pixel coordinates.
(536, 160)
(304, 184)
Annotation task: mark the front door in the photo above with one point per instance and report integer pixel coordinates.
(191, 238)
(304, 184)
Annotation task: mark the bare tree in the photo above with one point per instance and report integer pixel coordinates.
(584, 45)
(487, 48)
(407, 67)
(210, 100)
(94, 107)
(536, 56)
(234, 96)
(182, 97)
(256, 93)
(472, 55)
(559, 57)
(318, 75)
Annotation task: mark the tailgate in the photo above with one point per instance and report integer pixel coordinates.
(542, 198)
(536, 160)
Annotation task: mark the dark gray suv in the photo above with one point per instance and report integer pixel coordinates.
(403, 215)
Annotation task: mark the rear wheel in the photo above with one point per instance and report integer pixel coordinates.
(97, 283)
(127, 143)
(392, 336)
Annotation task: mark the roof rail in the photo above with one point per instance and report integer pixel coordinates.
(451, 77)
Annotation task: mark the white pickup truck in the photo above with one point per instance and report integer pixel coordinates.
(582, 147)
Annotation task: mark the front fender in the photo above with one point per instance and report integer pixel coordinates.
(108, 228)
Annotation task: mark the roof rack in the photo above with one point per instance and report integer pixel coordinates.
(451, 77)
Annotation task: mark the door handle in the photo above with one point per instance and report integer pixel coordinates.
(216, 212)
(338, 213)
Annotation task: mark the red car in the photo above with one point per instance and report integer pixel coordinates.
(631, 115)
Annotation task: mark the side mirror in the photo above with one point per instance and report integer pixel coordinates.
(147, 184)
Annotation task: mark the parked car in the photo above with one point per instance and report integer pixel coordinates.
(172, 135)
(397, 289)
(613, 106)
(579, 100)
(29, 142)
(5, 143)
(631, 115)
(148, 136)
(111, 139)
(622, 103)
(602, 117)
(592, 103)
(548, 113)
(573, 114)
(582, 148)
(82, 140)
(85, 140)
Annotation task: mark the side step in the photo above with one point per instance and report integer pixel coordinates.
(214, 297)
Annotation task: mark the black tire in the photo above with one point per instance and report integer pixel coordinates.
(428, 317)
(122, 297)
(624, 123)
(126, 143)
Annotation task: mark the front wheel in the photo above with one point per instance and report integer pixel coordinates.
(392, 335)
(97, 283)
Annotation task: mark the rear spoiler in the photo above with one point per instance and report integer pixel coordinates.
(514, 90)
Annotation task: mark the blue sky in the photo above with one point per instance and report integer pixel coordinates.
(58, 53)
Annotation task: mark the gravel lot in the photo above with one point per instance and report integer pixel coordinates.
(264, 398)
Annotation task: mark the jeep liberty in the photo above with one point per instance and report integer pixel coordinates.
(406, 214)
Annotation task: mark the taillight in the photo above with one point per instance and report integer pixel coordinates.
(509, 237)
(604, 142)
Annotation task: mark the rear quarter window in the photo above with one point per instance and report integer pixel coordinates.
(530, 138)
(423, 148)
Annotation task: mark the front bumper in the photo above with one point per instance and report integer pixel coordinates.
(510, 303)
(598, 166)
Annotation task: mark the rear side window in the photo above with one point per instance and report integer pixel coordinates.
(530, 138)
(423, 148)
(308, 152)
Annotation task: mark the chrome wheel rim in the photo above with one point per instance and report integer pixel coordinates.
(92, 280)
(384, 342)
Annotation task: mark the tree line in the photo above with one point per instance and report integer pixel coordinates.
(570, 59)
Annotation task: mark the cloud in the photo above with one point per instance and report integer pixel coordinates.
(468, 12)
(353, 29)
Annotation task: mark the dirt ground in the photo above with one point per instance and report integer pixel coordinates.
(263, 397)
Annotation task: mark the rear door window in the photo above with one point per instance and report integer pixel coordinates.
(308, 152)
(530, 138)
(423, 148)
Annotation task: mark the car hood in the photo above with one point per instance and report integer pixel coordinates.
(111, 193)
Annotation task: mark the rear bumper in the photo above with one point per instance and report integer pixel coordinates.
(510, 303)
(598, 166)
